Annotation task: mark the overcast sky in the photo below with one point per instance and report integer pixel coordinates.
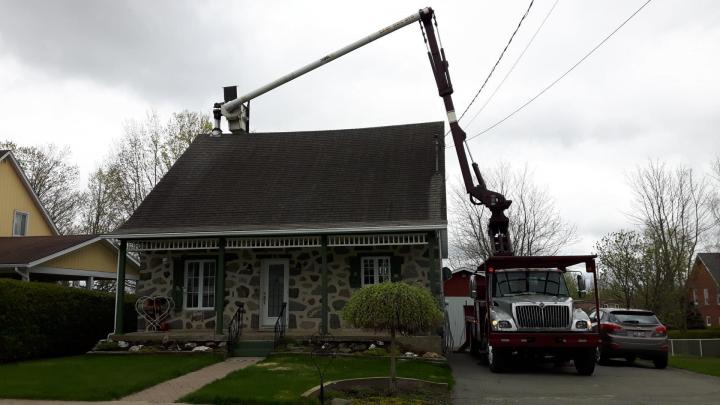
(72, 71)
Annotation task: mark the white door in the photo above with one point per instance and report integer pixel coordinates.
(274, 290)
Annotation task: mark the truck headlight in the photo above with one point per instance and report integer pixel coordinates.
(501, 324)
(582, 325)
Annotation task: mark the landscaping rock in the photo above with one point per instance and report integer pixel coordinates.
(201, 349)
(222, 344)
(190, 345)
(135, 349)
(410, 354)
(210, 344)
(431, 355)
(123, 344)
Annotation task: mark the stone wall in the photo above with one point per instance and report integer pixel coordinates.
(242, 283)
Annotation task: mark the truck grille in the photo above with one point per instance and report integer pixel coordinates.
(550, 316)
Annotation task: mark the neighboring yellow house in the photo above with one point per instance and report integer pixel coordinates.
(31, 247)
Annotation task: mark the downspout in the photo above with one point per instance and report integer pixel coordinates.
(324, 286)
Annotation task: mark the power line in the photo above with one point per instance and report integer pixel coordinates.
(497, 62)
(514, 64)
(491, 127)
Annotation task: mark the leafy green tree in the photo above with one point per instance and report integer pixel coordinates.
(396, 308)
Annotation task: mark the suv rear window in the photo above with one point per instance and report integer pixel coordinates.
(635, 317)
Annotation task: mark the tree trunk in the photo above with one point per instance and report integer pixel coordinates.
(393, 370)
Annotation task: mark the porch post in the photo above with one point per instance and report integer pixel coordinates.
(324, 280)
(120, 287)
(220, 288)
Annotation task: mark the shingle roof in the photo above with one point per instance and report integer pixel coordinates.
(370, 177)
(712, 264)
(22, 250)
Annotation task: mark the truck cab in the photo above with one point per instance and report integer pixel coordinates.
(523, 307)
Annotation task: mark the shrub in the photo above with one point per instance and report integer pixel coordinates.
(47, 320)
(394, 308)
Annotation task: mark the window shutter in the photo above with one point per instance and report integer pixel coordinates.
(355, 272)
(178, 282)
(396, 268)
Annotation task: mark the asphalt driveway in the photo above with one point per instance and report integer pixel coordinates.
(544, 384)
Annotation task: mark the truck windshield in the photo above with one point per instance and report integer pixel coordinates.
(509, 283)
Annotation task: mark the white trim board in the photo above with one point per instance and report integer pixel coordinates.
(73, 272)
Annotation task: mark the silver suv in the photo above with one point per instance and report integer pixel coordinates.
(629, 334)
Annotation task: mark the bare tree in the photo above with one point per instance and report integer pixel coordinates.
(672, 208)
(536, 227)
(54, 179)
(98, 214)
(714, 205)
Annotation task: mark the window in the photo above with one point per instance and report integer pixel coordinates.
(200, 284)
(694, 296)
(707, 321)
(20, 223)
(375, 270)
(706, 295)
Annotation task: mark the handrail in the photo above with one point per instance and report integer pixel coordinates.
(236, 326)
(279, 331)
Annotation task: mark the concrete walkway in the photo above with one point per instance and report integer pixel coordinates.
(172, 390)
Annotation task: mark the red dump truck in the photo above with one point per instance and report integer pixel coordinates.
(523, 309)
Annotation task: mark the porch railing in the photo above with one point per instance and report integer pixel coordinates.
(236, 326)
(279, 326)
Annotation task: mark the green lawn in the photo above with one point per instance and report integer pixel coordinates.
(94, 377)
(283, 378)
(704, 365)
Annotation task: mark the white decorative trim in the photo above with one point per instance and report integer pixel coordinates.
(172, 244)
(378, 240)
(272, 242)
(74, 272)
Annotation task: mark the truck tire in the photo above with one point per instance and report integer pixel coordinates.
(496, 359)
(585, 362)
(601, 358)
(661, 361)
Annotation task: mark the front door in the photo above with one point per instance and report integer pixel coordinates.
(274, 290)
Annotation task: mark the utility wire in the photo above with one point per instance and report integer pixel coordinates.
(497, 62)
(514, 64)
(491, 127)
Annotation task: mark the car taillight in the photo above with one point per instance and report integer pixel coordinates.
(612, 328)
(660, 331)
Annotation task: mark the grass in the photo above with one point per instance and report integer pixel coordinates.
(94, 377)
(703, 365)
(283, 378)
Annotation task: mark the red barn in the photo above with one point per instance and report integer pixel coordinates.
(458, 285)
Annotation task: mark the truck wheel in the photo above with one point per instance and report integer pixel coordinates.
(630, 359)
(585, 362)
(601, 358)
(661, 361)
(497, 360)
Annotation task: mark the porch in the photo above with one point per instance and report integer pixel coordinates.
(248, 287)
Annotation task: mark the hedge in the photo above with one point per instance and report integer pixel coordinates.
(47, 320)
(709, 333)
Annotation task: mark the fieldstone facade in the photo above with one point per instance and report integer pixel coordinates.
(420, 265)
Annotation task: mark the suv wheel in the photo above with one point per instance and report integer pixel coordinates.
(661, 361)
(585, 362)
(497, 360)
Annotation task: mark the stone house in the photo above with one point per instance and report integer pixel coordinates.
(704, 287)
(288, 225)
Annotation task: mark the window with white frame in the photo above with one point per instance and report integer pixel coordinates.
(20, 223)
(200, 284)
(375, 270)
(706, 295)
(695, 301)
(707, 321)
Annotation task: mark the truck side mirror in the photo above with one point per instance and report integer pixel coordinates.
(473, 287)
(582, 288)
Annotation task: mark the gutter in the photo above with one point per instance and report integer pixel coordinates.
(311, 231)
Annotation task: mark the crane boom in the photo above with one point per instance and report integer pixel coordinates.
(236, 111)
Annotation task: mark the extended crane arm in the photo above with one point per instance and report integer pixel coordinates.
(236, 110)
